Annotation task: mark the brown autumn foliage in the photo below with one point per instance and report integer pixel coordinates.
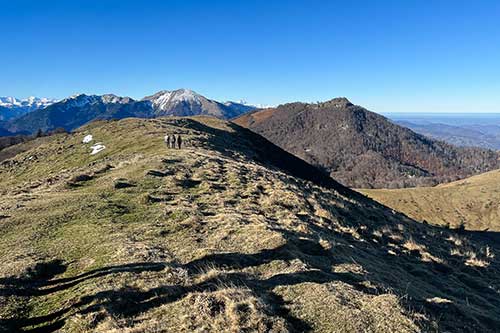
(363, 149)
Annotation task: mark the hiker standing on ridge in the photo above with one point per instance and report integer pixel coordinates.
(173, 141)
(179, 141)
(167, 140)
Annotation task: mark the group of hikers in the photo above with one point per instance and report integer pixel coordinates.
(173, 141)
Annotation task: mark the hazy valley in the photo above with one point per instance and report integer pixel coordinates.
(460, 129)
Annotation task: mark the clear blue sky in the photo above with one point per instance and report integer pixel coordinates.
(390, 56)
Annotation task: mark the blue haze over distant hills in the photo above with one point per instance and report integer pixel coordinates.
(463, 129)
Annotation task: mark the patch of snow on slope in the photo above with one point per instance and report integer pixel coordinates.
(186, 95)
(97, 148)
(87, 138)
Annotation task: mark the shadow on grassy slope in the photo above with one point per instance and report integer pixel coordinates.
(41, 284)
(129, 302)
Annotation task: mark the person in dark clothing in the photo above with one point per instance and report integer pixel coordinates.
(173, 141)
(179, 141)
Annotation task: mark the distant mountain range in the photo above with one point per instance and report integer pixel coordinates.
(11, 107)
(355, 146)
(363, 149)
(77, 110)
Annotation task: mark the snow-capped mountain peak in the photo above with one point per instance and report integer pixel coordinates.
(30, 102)
(11, 107)
(9, 101)
(79, 100)
(74, 96)
(164, 99)
(111, 98)
(244, 103)
(241, 101)
(185, 95)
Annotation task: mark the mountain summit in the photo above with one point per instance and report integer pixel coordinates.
(185, 102)
(164, 99)
(364, 149)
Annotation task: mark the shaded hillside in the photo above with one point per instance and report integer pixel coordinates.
(9, 113)
(4, 132)
(10, 145)
(224, 235)
(7, 141)
(360, 148)
(472, 202)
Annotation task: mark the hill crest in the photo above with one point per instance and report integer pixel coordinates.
(362, 149)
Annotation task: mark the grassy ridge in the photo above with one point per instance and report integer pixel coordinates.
(219, 236)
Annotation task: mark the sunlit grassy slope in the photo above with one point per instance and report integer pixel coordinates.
(473, 203)
(228, 234)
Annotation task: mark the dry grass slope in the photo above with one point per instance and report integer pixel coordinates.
(216, 238)
(472, 203)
